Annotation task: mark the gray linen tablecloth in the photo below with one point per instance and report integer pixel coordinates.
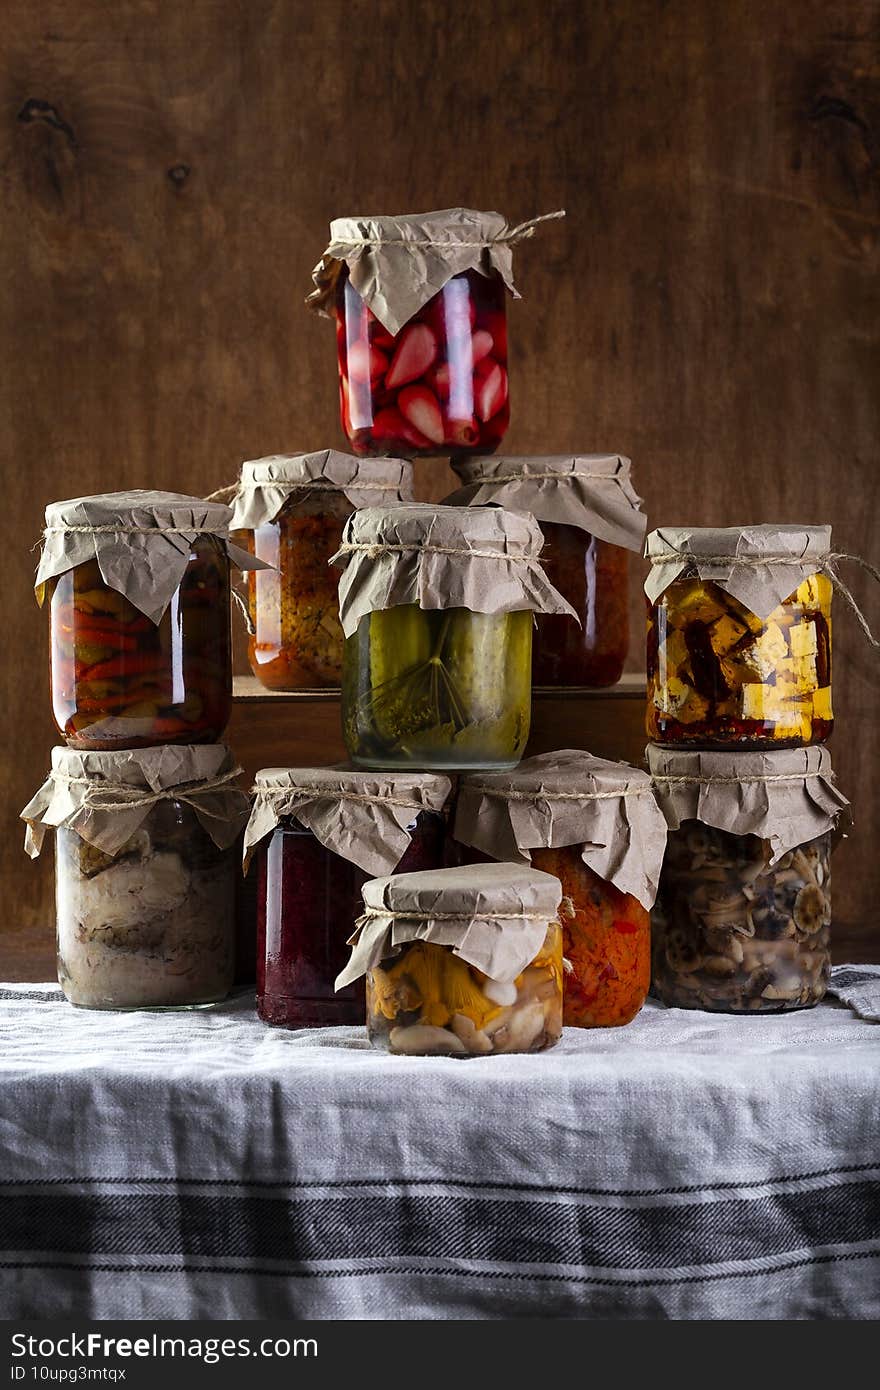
(202, 1165)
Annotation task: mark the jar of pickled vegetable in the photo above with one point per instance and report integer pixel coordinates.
(590, 518)
(421, 329)
(291, 512)
(742, 919)
(138, 587)
(437, 605)
(596, 826)
(461, 962)
(739, 637)
(145, 873)
(318, 834)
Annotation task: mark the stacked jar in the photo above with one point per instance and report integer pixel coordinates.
(437, 605)
(739, 706)
(290, 511)
(596, 826)
(143, 795)
(589, 516)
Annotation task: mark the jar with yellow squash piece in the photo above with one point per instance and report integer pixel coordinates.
(461, 962)
(437, 605)
(138, 589)
(596, 826)
(739, 637)
(290, 510)
(742, 918)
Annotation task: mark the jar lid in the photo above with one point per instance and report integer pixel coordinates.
(361, 816)
(481, 558)
(141, 540)
(759, 566)
(267, 483)
(608, 810)
(786, 796)
(593, 492)
(397, 263)
(494, 916)
(106, 796)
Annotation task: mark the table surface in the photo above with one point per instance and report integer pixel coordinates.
(175, 1165)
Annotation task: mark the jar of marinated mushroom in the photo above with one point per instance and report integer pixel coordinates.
(421, 329)
(590, 519)
(317, 834)
(138, 590)
(461, 962)
(437, 605)
(742, 919)
(595, 826)
(739, 636)
(145, 873)
(291, 511)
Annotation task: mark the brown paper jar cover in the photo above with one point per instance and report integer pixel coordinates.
(361, 816)
(106, 796)
(291, 510)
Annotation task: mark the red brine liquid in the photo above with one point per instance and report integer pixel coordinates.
(437, 386)
(308, 900)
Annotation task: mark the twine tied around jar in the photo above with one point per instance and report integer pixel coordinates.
(760, 779)
(565, 909)
(374, 549)
(521, 232)
(505, 794)
(824, 564)
(320, 793)
(226, 494)
(120, 796)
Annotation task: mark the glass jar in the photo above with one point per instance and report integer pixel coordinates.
(720, 677)
(119, 680)
(308, 899)
(294, 607)
(151, 926)
(439, 385)
(428, 1001)
(435, 688)
(607, 943)
(592, 575)
(735, 935)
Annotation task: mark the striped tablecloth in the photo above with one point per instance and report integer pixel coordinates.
(202, 1165)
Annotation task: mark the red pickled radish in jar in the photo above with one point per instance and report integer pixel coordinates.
(421, 329)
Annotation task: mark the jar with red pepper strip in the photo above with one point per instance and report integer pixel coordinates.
(121, 680)
(138, 589)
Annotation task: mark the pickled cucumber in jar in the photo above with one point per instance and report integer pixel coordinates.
(437, 689)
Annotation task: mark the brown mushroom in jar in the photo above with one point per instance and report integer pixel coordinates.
(733, 932)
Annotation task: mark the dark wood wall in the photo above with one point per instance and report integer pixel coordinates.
(710, 305)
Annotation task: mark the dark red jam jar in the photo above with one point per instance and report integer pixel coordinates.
(308, 900)
(308, 895)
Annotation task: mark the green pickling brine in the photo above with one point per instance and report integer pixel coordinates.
(437, 605)
(437, 689)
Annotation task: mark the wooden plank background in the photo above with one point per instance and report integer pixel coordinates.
(710, 305)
